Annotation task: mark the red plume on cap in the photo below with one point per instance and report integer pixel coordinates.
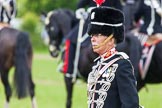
(99, 2)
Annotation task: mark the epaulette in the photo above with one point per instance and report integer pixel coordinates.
(124, 55)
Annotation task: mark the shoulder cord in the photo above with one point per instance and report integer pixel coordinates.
(102, 71)
(106, 66)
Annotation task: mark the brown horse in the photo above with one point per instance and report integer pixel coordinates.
(16, 51)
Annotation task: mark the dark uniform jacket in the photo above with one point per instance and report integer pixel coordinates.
(115, 87)
(152, 20)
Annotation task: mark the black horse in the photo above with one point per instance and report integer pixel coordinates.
(131, 46)
(154, 71)
(16, 51)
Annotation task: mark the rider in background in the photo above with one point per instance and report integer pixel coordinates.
(150, 32)
(129, 9)
(151, 13)
(7, 11)
(71, 40)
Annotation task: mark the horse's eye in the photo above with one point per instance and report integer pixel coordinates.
(47, 29)
(52, 28)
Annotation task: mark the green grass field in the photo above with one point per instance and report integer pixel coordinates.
(50, 88)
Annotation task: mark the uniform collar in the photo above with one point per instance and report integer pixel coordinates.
(107, 55)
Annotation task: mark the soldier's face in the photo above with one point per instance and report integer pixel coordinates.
(99, 45)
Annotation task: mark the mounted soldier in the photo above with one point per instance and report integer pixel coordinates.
(150, 32)
(7, 12)
(129, 9)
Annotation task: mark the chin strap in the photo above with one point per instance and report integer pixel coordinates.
(105, 41)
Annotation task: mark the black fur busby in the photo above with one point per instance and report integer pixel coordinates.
(107, 21)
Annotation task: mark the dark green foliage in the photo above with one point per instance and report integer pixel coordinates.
(31, 24)
(37, 6)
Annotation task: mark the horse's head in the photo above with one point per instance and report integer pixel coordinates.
(54, 32)
(57, 24)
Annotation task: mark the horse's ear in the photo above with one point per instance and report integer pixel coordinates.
(43, 16)
(43, 13)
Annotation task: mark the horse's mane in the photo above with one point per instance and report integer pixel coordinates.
(68, 14)
(72, 16)
(64, 17)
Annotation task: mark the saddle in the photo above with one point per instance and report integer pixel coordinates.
(2, 25)
(154, 39)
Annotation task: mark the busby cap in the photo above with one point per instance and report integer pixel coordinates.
(107, 21)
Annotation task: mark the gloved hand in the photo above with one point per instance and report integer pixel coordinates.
(81, 13)
(156, 5)
(159, 11)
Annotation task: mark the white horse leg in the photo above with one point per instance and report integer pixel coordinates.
(6, 105)
(34, 102)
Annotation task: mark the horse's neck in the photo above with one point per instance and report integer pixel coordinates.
(65, 25)
(65, 28)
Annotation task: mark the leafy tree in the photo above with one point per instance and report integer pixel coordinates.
(37, 6)
(30, 10)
